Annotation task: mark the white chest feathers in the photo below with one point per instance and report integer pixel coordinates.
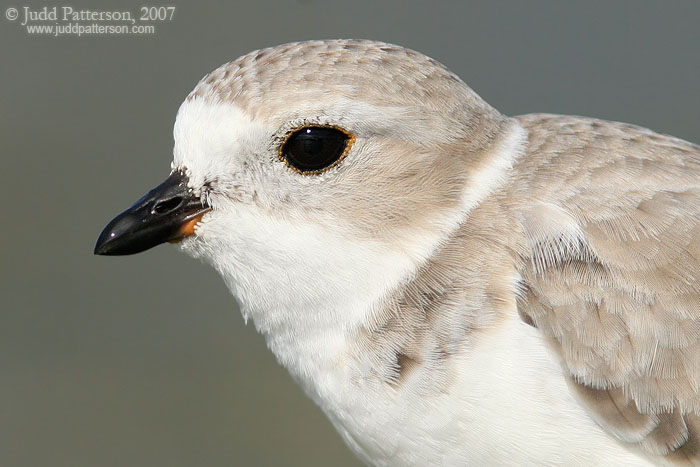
(509, 406)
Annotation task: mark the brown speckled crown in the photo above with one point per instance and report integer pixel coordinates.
(381, 73)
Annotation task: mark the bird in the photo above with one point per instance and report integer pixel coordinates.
(451, 285)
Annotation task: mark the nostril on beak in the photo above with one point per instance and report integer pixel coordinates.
(167, 205)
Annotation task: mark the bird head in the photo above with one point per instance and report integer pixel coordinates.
(303, 169)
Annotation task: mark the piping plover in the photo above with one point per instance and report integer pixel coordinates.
(450, 285)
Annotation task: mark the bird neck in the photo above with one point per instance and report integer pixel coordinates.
(304, 287)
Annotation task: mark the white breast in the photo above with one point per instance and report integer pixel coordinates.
(509, 406)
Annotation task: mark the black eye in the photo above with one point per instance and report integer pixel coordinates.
(313, 149)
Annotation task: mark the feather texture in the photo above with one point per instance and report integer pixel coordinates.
(611, 274)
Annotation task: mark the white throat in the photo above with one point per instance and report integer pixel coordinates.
(304, 287)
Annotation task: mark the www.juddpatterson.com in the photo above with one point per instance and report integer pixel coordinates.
(75, 29)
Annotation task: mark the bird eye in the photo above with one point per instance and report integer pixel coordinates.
(314, 149)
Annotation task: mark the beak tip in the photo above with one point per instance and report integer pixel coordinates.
(102, 244)
(99, 250)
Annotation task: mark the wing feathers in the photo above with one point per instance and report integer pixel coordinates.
(612, 275)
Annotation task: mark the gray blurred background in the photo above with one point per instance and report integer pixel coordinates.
(145, 360)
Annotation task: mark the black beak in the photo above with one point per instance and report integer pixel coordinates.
(167, 213)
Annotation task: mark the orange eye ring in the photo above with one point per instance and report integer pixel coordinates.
(314, 149)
